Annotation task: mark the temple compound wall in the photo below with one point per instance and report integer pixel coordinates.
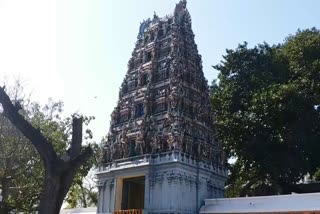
(162, 154)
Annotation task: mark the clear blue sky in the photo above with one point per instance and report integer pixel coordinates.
(77, 50)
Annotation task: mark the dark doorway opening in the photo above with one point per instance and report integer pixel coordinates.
(133, 193)
(140, 111)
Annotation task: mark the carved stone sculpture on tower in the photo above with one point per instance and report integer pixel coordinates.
(161, 154)
(165, 92)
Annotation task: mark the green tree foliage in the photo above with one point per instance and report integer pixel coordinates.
(21, 169)
(83, 192)
(317, 175)
(18, 163)
(267, 112)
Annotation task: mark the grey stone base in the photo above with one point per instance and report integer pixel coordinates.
(174, 183)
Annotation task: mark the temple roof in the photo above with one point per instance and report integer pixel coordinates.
(264, 204)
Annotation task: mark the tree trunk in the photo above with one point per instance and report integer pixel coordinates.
(83, 195)
(56, 187)
(4, 193)
(50, 194)
(51, 199)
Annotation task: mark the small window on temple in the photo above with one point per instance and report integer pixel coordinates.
(160, 107)
(187, 77)
(140, 110)
(124, 116)
(160, 33)
(164, 52)
(152, 37)
(131, 148)
(148, 56)
(190, 110)
(146, 39)
(136, 64)
(162, 75)
(131, 65)
(144, 79)
(168, 29)
(131, 85)
(125, 89)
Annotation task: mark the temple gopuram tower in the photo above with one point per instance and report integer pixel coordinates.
(161, 154)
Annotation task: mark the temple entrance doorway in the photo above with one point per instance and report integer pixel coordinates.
(133, 193)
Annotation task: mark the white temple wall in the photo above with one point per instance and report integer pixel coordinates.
(173, 184)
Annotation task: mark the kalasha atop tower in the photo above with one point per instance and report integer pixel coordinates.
(162, 130)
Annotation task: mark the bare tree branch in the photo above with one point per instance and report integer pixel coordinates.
(44, 148)
(81, 158)
(76, 137)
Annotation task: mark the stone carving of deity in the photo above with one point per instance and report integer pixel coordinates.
(146, 104)
(162, 92)
(163, 65)
(149, 78)
(140, 144)
(205, 151)
(124, 144)
(168, 120)
(107, 153)
(115, 151)
(108, 149)
(174, 98)
(175, 124)
(176, 95)
(114, 117)
(189, 147)
(171, 142)
(153, 124)
(155, 143)
(140, 80)
(132, 111)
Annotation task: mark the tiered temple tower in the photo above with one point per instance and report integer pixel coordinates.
(162, 154)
